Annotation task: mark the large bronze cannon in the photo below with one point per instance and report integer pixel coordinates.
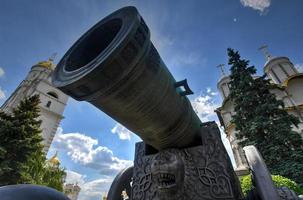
(116, 67)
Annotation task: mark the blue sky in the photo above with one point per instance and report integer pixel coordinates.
(191, 37)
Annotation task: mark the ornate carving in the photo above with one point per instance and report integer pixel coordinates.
(201, 172)
(167, 170)
(143, 24)
(140, 37)
(129, 53)
(142, 182)
(153, 60)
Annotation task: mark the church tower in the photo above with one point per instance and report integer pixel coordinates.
(225, 113)
(286, 84)
(278, 69)
(53, 101)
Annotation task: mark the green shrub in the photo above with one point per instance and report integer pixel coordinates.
(279, 181)
(246, 185)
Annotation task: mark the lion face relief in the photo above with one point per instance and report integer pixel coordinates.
(167, 171)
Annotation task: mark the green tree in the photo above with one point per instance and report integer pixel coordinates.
(22, 159)
(20, 138)
(53, 177)
(43, 172)
(261, 120)
(279, 181)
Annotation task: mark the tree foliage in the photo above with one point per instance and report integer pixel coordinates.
(279, 181)
(261, 120)
(45, 173)
(22, 159)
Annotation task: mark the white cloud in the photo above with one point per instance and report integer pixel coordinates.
(93, 190)
(186, 59)
(162, 42)
(2, 94)
(175, 57)
(1, 72)
(204, 105)
(165, 44)
(299, 67)
(227, 144)
(74, 177)
(123, 133)
(90, 190)
(85, 150)
(260, 5)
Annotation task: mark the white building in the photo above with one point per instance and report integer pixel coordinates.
(53, 101)
(287, 85)
(72, 191)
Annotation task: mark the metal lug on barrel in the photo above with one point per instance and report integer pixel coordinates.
(186, 91)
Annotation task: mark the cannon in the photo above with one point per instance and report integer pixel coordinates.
(115, 67)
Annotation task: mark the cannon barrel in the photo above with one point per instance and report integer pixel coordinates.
(115, 67)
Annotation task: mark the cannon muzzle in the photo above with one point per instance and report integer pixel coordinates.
(115, 67)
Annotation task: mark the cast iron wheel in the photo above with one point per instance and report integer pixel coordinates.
(120, 183)
(30, 192)
(287, 194)
(261, 178)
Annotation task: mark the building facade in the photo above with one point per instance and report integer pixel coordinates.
(72, 191)
(53, 101)
(287, 85)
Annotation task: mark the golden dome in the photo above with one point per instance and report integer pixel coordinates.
(54, 160)
(46, 64)
(298, 75)
(104, 196)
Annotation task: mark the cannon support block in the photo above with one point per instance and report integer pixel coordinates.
(200, 172)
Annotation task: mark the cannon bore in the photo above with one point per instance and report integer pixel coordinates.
(115, 67)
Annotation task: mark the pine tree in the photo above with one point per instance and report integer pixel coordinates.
(22, 159)
(261, 120)
(20, 138)
(43, 173)
(53, 177)
(6, 166)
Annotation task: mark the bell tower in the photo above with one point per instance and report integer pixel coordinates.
(53, 101)
(278, 69)
(225, 113)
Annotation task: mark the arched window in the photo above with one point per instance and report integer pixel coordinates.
(53, 94)
(48, 104)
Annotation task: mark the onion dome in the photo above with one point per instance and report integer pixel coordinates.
(48, 64)
(54, 160)
(278, 69)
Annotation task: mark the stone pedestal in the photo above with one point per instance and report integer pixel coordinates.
(200, 172)
(242, 171)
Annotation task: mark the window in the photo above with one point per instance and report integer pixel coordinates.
(276, 77)
(284, 70)
(48, 104)
(53, 94)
